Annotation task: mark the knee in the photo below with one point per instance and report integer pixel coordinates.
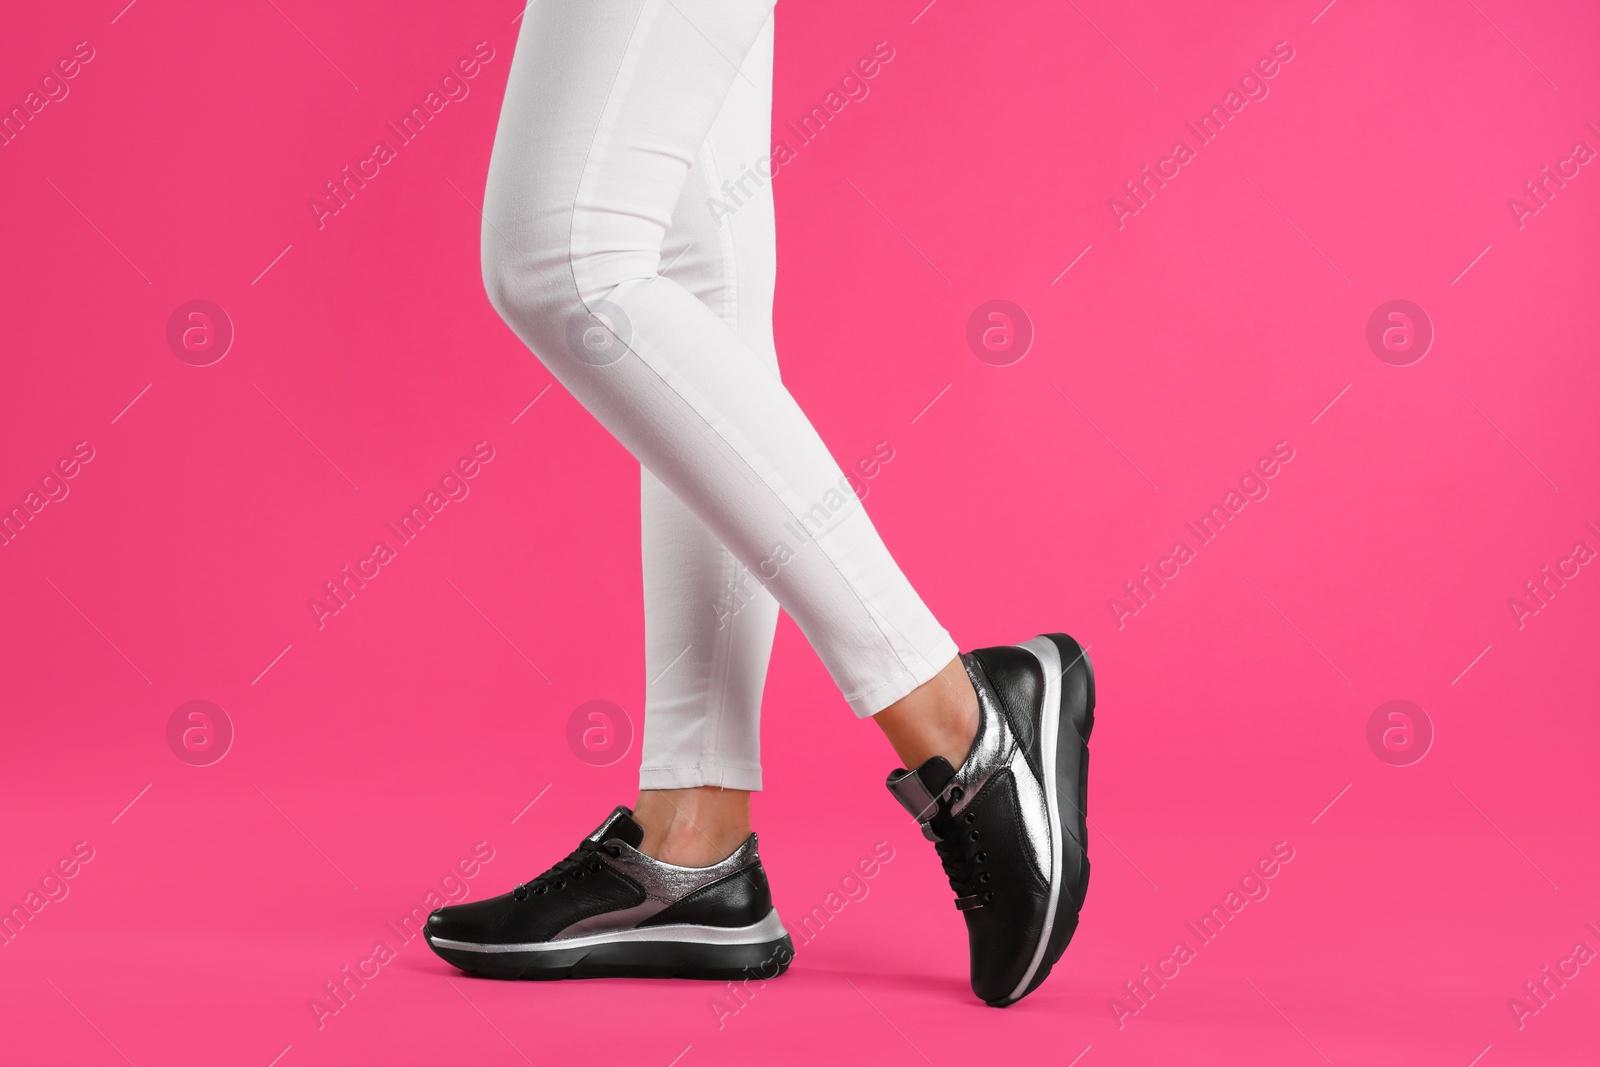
(526, 283)
(557, 300)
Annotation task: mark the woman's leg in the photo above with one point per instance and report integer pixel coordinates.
(607, 108)
(605, 112)
(708, 623)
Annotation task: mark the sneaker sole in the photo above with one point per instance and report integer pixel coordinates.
(1059, 657)
(762, 950)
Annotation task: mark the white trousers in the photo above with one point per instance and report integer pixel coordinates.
(629, 129)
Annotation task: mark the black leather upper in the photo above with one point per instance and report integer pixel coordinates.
(741, 899)
(515, 918)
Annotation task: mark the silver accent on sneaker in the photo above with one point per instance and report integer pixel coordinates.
(621, 919)
(669, 883)
(997, 747)
(1033, 809)
(1049, 657)
(663, 884)
(992, 748)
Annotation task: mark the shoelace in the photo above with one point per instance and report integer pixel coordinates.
(960, 853)
(585, 858)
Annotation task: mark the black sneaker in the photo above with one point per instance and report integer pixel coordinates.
(1010, 825)
(610, 911)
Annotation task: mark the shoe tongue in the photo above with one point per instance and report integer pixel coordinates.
(619, 824)
(918, 790)
(936, 774)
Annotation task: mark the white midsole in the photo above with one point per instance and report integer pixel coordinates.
(768, 929)
(1049, 657)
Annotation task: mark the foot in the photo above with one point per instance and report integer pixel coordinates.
(1010, 825)
(610, 911)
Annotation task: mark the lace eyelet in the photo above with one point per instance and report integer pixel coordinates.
(981, 857)
(957, 793)
(577, 876)
(983, 879)
(988, 898)
(541, 891)
(973, 836)
(971, 816)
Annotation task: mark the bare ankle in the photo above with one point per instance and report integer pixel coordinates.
(938, 718)
(693, 827)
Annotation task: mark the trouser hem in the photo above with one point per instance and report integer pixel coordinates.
(721, 775)
(868, 704)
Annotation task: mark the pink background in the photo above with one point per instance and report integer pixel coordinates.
(1226, 316)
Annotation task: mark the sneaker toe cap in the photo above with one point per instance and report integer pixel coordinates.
(477, 921)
